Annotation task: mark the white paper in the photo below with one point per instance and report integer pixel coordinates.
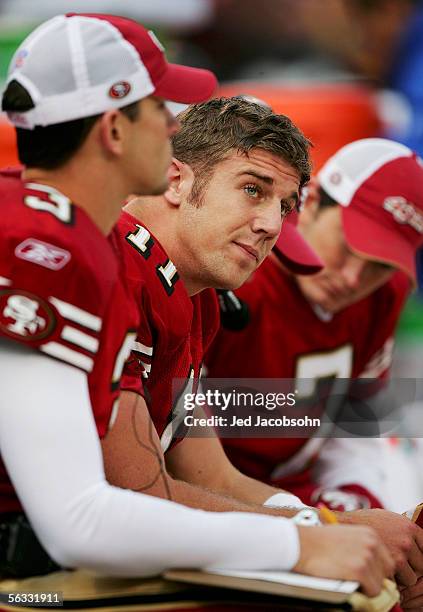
(294, 579)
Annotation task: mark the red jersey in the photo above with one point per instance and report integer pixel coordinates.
(175, 330)
(61, 293)
(288, 338)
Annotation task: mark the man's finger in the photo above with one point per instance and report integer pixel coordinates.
(383, 566)
(413, 592)
(419, 538)
(406, 575)
(387, 563)
(413, 604)
(415, 558)
(372, 583)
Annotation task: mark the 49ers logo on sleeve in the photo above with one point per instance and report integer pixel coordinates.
(25, 316)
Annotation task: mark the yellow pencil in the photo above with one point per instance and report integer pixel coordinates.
(328, 517)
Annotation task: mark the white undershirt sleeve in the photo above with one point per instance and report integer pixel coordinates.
(346, 461)
(50, 446)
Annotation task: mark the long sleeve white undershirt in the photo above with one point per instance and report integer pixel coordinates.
(346, 461)
(50, 446)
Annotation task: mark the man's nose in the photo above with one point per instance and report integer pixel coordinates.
(172, 123)
(268, 220)
(352, 272)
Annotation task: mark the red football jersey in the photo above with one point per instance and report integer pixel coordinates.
(175, 330)
(61, 293)
(286, 338)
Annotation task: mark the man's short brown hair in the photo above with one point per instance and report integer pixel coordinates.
(211, 129)
(52, 146)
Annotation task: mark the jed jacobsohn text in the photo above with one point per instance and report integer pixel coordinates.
(240, 409)
(222, 400)
(250, 421)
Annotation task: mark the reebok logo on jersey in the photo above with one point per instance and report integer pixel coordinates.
(404, 212)
(23, 315)
(42, 253)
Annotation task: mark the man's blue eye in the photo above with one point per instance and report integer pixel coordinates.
(251, 190)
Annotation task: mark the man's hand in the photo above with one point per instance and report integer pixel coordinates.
(412, 597)
(403, 539)
(345, 553)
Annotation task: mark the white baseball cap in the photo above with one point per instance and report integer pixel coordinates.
(81, 65)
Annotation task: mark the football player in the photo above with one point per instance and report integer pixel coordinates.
(171, 260)
(236, 175)
(86, 94)
(364, 219)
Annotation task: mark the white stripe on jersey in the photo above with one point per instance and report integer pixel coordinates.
(142, 348)
(75, 336)
(5, 281)
(147, 369)
(122, 356)
(73, 313)
(66, 354)
(114, 414)
(380, 361)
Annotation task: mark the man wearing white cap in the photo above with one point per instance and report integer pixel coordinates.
(86, 94)
(365, 221)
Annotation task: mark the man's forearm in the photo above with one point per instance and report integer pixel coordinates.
(201, 498)
(203, 463)
(196, 473)
(254, 493)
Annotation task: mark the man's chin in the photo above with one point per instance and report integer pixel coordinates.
(230, 284)
(322, 301)
(160, 189)
(319, 297)
(330, 308)
(334, 306)
(152, 190)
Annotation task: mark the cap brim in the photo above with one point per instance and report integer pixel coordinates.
(295, 253)
(369, 238)
(186, 85)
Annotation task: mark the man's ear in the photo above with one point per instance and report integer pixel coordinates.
(309, 203)
(111, 131)
(180, 177)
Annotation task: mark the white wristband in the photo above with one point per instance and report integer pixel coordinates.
(284, 500)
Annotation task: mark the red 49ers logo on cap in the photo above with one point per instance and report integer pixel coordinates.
(25, 316)
(404, 212)
(120, 90)
(335, 178)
